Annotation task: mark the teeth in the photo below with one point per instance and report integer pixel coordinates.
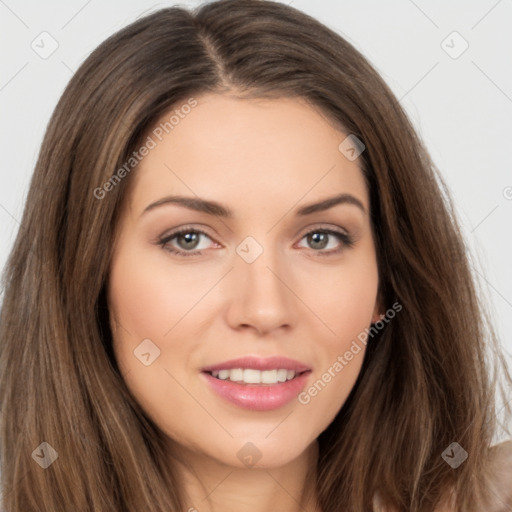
(282, 375)
(224, 374)
(268, 377)
(236, 375)
(250, 376)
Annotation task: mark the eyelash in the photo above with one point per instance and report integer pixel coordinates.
(346, 241)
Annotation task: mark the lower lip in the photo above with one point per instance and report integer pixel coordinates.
(258, 397)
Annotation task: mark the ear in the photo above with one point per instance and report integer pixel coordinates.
(377, 311)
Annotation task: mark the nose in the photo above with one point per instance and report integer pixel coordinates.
(260, 296)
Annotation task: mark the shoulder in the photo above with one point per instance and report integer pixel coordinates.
(501, 487)
(500, 490)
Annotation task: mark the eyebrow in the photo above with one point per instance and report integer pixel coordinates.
(214, 208)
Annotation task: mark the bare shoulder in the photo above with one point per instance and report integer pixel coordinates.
(502, 477)
(501, 485)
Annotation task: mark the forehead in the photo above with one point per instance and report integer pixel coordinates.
(243, 150)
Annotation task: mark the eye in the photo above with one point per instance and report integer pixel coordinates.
(327, 241)
(185, 241)
(189, 241)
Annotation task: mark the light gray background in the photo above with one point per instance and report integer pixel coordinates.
(462, 107)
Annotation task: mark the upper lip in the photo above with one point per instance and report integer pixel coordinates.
(259, 363)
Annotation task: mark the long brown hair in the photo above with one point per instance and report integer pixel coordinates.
(429, 377)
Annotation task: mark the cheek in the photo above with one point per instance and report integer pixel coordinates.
(144, 305)
(147, 296)
(356, 302)
(342, 297)
(147, 301)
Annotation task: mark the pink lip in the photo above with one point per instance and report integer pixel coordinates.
(259, 363)
(258, 397)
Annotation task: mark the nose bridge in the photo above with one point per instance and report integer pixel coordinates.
(260, 298)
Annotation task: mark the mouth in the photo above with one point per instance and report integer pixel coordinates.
(253, 376)
(257, 384)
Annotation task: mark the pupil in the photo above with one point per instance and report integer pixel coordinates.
(318, 240)
(190, 240)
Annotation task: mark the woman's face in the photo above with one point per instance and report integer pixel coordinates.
(269, 268)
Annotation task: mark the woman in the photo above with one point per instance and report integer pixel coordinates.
(238, 285)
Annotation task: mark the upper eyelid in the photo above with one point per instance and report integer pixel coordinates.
(180, 231)
(305, 231)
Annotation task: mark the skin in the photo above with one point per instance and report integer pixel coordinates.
(262, 159)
